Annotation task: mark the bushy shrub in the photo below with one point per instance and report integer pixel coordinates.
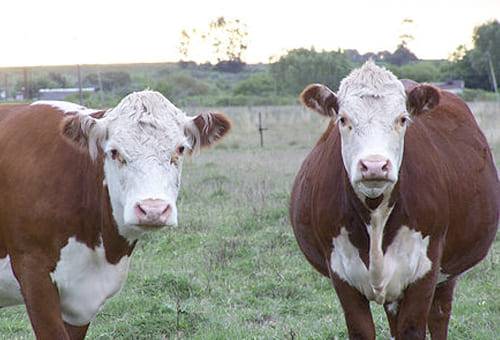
(255, 85)
(301, 67)
(421, 72)
(470, 95)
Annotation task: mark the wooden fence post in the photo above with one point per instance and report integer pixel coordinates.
(80, 94)
(261, 130)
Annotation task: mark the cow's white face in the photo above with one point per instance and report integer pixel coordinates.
(372, 114)
(144, 140)
(372, 133)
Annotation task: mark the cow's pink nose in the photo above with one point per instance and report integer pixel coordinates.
(152, 212)
(375, 168)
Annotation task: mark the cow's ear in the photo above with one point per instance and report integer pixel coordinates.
(422, 98)
(321, 99)
(206, 128)
(84, 131)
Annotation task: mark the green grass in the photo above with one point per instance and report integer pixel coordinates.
(233, 270)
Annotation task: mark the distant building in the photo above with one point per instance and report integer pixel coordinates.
(61, 94)
(454, 86)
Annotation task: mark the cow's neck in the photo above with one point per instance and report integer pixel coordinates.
(115, 245)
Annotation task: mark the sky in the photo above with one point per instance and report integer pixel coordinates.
(55, 32)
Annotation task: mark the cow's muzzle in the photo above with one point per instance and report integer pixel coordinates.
(152, 213)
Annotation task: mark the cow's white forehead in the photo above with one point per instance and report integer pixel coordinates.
(147, 107)
(145, 119)
(371, 86)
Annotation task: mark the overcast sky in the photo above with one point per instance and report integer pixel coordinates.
(34, 32)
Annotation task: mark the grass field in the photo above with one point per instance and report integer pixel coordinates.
(233, 270)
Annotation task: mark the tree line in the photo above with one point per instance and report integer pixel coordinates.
(227, 80)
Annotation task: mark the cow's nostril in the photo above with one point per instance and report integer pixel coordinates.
(363, 166)
(387, 166)
(141, 210)
(167, 209)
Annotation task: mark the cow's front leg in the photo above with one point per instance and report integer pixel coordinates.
(357, 311)
(76, 332)
(415, 305)
(439, 315)
(391, 310)
(40, 296)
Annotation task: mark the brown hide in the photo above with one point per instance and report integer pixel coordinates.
(448, 188)
(448, 183)
(49, 192)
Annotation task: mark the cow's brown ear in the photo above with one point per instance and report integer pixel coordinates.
(83, 131)
(321, 99)
(422, 98)
(206, 128)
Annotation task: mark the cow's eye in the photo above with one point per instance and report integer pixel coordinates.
(343, 121)
(404, 120)
(115, 155)
(176, 156)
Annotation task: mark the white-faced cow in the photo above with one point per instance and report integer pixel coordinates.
(78, 187)
(398, 198)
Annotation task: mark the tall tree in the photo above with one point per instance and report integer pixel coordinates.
(474, 65)
(300, 67)
(229, 41)
(485, 57)
(185, 45)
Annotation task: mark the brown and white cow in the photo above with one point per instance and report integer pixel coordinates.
(78, 187)
(397, 199)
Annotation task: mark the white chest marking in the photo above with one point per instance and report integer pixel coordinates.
(85, 280)
(404, 262)
(10, 292)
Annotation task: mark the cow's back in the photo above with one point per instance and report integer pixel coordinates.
(46, 185)
(8, 109)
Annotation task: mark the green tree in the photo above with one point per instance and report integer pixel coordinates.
(300, 67)
(260, 84)
(401, 56)
(185, 45)
(422, 71)
(487, 48)
(473, 65)
(111, 81)
(59, 79)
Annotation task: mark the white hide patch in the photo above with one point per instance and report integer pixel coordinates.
(404, 262)
(10, 291)
(85, 280)
(65, 107)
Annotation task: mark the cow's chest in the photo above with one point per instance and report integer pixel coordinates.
(85, 280)
(389, 273)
